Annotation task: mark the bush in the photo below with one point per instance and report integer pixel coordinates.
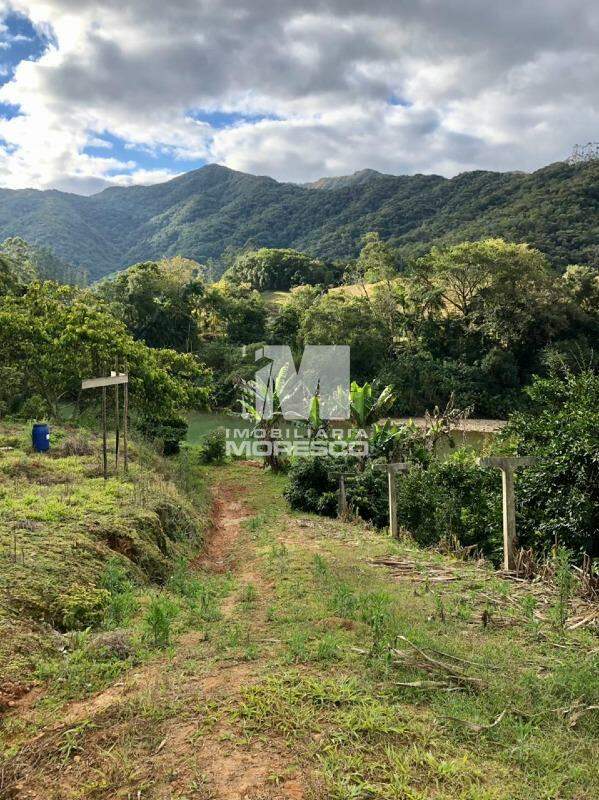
(367, 496)
(213, 448)
(84, 607)
(450, 499)
(170, 431)
(34, 408)
(312, 487)
(158, 620)
(559, 497)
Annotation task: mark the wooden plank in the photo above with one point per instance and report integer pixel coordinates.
(508, 462)
(509, 519)
(393, 526)
(112, 380)
(342, 512)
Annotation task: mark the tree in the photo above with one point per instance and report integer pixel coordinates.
(559, 496)
(156, 300)
(53, 336)
(230, 312)
(34, 261)
(337, 319)
(500, 290)
(277, 270)
(377, 261)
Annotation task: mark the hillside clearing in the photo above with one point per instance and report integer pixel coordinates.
(324, 676)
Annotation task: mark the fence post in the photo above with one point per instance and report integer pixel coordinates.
(508, 465)
(392, 470)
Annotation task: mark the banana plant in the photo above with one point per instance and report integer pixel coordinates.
(315, 422)
(254, 396)
(366, 406)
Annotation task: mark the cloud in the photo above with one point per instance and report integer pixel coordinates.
(310, 87)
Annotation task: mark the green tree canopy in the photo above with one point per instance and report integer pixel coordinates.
(52, 337)
(278, 269)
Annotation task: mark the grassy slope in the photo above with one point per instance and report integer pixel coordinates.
(289, 691)
(66, 536)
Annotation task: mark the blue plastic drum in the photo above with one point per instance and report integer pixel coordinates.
(40, 437)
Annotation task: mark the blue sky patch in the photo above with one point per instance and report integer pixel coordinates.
(144, 158)
(225, 119)
(19, 41)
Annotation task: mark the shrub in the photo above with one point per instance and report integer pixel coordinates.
(158, 620)
(454, 498)
(34, 407)
(312, 486)
(76, 444)
(558, 498)
(84, 607)
(169, 431)
(367, 497)
(214, 447)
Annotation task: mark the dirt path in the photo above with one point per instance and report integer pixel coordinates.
(156, 733)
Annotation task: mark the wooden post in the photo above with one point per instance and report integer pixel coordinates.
(342, 498)
(342, 506)
(393, 526)
(117, 413)
(104, 449)
(508, 465)
(392, 470)
(126, 423)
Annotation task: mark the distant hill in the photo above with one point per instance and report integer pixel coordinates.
(201, 213)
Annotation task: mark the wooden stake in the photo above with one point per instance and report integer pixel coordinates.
(116, 416)
(508, 465)
(392, 470)
(393, 526)
(342, 498)
(104, 435)
(126, 423)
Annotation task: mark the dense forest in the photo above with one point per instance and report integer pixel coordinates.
(213, 212)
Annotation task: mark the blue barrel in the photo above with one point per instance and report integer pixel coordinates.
(40, 437)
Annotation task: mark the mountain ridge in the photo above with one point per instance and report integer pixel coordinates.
(201, 213)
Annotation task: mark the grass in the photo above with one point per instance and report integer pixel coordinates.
(337, 695)
(78, 552)
(317, 661)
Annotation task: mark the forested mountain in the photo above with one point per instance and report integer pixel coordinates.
(203, 212)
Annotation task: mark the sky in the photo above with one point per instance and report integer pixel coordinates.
(96, 93)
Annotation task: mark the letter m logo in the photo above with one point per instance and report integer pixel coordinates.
(323, 372)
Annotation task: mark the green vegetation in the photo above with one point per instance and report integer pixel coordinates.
(51, 337)
(280, 270)
(383, 668)
(325, 676)
(448, 497)
(78, 553)
(32, 262)
(212, 211)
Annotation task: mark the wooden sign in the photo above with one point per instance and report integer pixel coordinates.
(112, 380)
(115, 379)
